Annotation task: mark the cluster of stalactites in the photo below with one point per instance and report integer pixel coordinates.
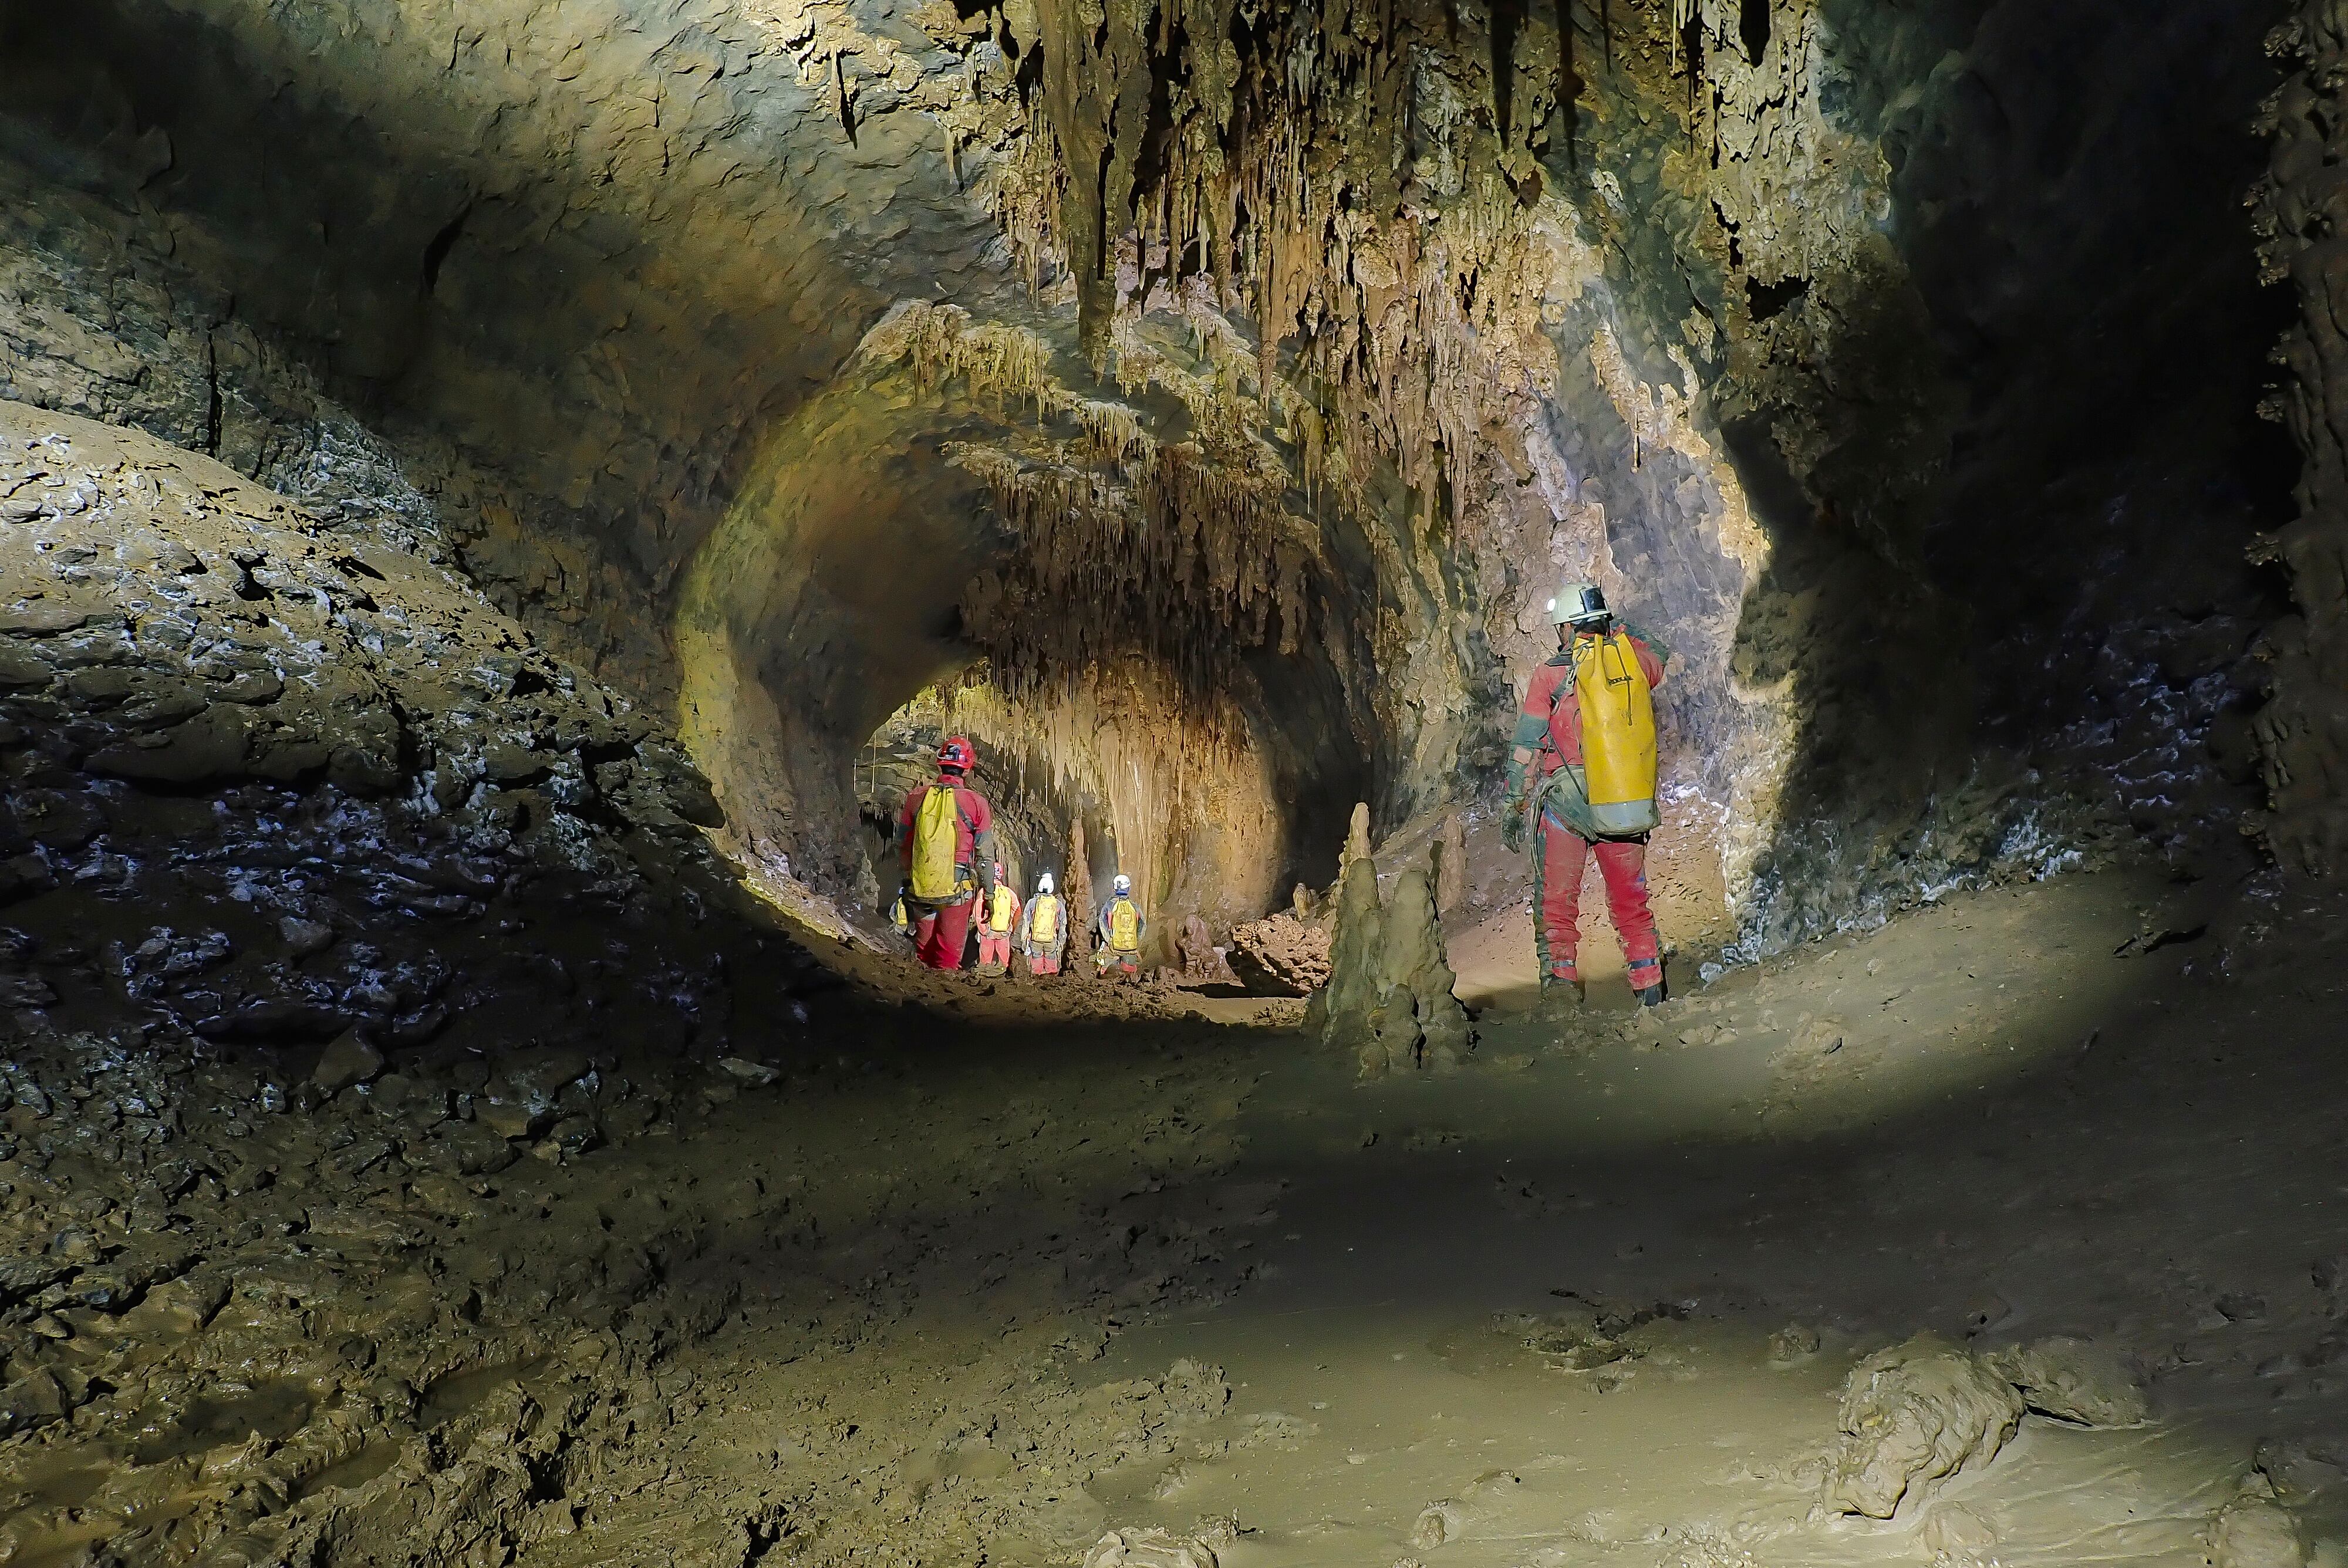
(1183, 550)
(1362, 182)
(1189, 563)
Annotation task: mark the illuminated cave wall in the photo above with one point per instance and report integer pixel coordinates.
(775, 362)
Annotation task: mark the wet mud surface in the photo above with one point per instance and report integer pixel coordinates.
(920, 1293)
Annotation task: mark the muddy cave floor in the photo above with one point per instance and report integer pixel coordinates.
(949, 1295)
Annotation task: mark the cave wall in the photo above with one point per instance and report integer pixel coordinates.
(2304, 733)
(570, 272)
(768, 360)
(1956, 340)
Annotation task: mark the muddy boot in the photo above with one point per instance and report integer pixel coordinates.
(1654, 994)
(1560, 978)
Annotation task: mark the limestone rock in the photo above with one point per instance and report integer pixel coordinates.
(206, 749)
(303, 938)
(1437, 1523)
(2254, 1530)
(1416, 966)
(1079, 891)
(1952, 1530)
(33, 1400)
(1355, 953)
(1149, 1549)
(540, 1075)
(466, 1149)
(1913, 1415)
(1451, 862)
(2072, 1380)
(1202, 961)
(510, 1117)
(1281, 955)
(349, 1059)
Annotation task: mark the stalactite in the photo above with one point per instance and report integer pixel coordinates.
(1185, 551)
(1298, 176)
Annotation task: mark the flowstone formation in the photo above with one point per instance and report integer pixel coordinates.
(1191, 810)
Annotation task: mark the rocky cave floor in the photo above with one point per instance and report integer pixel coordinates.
(413, 1148)
(936, 1295)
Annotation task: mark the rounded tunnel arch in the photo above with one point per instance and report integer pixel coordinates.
(834, 601)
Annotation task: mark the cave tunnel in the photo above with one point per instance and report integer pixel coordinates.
(503, 503)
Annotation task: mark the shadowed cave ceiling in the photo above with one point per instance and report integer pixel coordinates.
(1198, 400)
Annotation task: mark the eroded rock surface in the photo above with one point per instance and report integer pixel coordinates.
(1913, 1415)
(2072, 1380)
(1281, 954)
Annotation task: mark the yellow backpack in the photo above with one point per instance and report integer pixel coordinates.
(938, 875)
(1044, 925)
(1618, 733)
(1005, 910)
(1124, 925)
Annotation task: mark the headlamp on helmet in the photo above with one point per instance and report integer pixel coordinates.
(1576, 604)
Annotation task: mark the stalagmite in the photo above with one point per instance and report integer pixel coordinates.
(1419, 1023)
(1389, 996)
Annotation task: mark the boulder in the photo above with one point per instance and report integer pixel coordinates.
(2256, 1532)
(347, 1060)
(466, 1149)
(34, 1400)
(57, 819)
(1911, 1416)
(510, 763)
(1202, 961)
(2072, 1380)
(207, 749)
(1281, 955)
(19, 667)
(1952, 1531)
(303, 938)
(1438, 1524)
(509, 1117)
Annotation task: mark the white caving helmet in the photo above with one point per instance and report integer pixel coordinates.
(1577, 602)
(1123, 884)
(1044, 883)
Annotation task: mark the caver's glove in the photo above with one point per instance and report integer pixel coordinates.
(1512, 824)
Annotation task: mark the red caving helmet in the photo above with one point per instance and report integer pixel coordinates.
(955, 756)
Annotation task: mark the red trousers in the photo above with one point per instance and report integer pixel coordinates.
(941, 934)
(994, 948)
(1623, 864)
(1042, 964)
